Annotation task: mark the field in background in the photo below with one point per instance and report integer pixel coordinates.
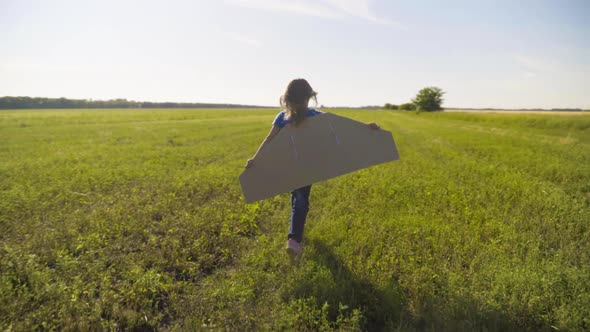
(134, 219)
(508, 112)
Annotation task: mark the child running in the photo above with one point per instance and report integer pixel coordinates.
(295, 104)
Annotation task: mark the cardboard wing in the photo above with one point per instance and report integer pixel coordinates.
(321, 147)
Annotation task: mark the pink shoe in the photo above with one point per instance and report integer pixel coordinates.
(294, 248)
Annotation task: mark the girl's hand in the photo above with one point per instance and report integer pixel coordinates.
(373, 125)
(249, 163)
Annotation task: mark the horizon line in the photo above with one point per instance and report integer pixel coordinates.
(278, 106)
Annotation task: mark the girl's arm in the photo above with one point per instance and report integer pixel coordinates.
(273, 132)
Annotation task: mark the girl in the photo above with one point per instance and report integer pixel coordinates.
(295, 103)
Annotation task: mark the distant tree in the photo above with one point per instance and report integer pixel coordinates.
(407, 107)
(429, 99)
(389, 106)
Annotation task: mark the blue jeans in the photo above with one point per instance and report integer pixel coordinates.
(300, 207)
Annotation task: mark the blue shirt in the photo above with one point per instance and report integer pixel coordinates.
(281, 122)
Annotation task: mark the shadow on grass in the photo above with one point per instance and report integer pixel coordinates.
(325, 278)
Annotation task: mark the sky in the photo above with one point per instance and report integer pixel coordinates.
(501, 53)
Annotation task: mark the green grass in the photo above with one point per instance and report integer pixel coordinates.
(134, 220)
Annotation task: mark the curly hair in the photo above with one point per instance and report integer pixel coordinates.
(296, 98)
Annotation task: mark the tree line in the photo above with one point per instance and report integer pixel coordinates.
(431, 98)
(58, 103)
(428, 99)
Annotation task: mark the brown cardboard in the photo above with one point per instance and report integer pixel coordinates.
(321, 147)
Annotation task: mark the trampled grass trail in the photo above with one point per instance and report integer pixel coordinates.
(134, 219)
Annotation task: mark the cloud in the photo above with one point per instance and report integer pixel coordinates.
(20, 66)
(245, 40)
(330, 9)
(529, 74)
(554, 65)
(307, 8)
(534, 64)
(359, 8)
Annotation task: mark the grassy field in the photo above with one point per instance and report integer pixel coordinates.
(134, 220)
